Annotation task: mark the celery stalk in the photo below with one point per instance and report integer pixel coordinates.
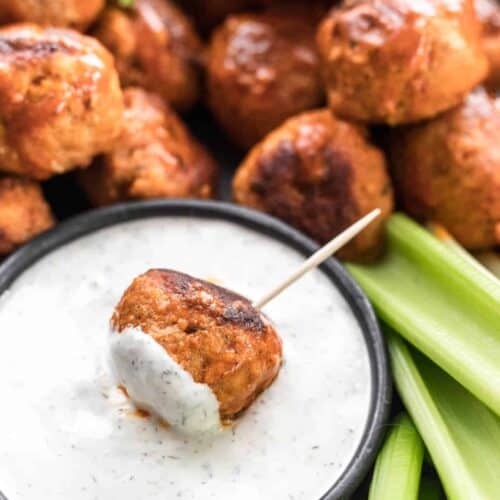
(437, 300)
(444, 236)
(399, 463)
(461, 434)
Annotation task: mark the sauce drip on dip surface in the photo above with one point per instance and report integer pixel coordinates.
(70, 431)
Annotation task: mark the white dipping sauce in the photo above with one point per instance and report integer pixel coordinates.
(66, 432)
(157, 383)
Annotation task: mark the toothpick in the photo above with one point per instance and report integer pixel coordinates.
(320, 256)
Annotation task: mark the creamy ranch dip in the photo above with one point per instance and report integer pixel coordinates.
(158, 384)
(67, 432)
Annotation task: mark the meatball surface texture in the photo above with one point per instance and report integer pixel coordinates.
(319, 174)
(400, 61)
(448, 170)
(76, 14)
(154, 157)
(261, 69)
(60, 100)
(155, 47)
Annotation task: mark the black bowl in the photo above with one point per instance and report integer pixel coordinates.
(381, 382)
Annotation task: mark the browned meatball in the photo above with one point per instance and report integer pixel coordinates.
(262, 69)
(213, 333)
(64, 13)
(24, 213)
(319, 174)
(60, 100)
(448, 170)
(155, 47)
(400, 61)
(489, 14)
(155, 157)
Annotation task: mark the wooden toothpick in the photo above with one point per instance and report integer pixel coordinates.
(320, 256)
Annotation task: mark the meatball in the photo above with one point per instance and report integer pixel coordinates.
(155, 157)
(448, 170)
(156, 47)
(262, 69)
(228, 348)
(64, 13)
(24, 213)
(319, 174)
(489, 14)
(60, 100)
(400, 61)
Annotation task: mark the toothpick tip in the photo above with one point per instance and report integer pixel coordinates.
(321, 255)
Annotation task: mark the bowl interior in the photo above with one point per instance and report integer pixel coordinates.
(380, 388)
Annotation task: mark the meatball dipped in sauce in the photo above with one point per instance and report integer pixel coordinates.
(24, 213)
(60, 100)
(261, 69)
(447, 170)
(400, 61)
(319, 174)
(489, 15)
(76, 14)
(155, 157)
(191, 352)
(156, 47)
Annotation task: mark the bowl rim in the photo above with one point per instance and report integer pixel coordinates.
(381, 390)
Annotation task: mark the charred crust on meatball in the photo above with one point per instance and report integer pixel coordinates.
(282, 171)
(231, 307)
(219, 304)
(319, 174)
(27, 49)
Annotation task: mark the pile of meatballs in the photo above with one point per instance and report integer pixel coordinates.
(338, 108)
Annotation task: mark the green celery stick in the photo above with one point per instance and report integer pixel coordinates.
(446, 238)
(461, 434)
(399, 463)
(438, 300)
